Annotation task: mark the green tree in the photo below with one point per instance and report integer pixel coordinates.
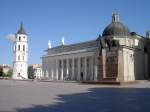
(10, 72)
(1, 72)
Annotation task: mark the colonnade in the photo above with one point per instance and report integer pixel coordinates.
(76, 68)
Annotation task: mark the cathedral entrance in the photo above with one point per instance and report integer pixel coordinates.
(81, 75)
(111, 67)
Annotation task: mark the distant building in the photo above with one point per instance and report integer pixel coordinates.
(118, 55)
(38, 72)
(5, 69)
(35, 71)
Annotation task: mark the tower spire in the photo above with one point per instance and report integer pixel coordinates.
(21, 29)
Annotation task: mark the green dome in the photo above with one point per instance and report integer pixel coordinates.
(116, 29)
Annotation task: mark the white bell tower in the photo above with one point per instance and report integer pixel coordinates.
(20, 54)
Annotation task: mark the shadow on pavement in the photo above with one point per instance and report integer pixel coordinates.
(99, 100)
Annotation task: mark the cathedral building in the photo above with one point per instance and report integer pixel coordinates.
(117, 54)
(20, 55)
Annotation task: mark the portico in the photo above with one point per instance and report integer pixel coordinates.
(72, 67)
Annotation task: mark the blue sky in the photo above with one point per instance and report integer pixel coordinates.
(76, 20)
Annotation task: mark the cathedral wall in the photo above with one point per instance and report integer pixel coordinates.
(126, 41)
(135, 58)
(139, 64)
(53, 68)
(128, 59)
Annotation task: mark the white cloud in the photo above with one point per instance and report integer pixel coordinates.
(11, 37)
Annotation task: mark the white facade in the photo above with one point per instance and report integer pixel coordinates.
(118, 55)
(71, 65)
(38, 73)
(135, 59)
(20, 55)
(69, 62)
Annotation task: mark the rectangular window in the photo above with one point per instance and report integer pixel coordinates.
(19, 38)
(18, 47)
(18, 57)
(23, 47)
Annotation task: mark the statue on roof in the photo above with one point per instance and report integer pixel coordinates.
(63, 41)
(49, 44)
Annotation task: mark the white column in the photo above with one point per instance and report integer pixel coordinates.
(92, 68)
(146, 66)
(95, 75)
(56, 68)
(46, 74)
(67, 68)
(85, 68)
(72, 77)
(62, 70)
(52, 74)
(79, 78)
(52, 69)
(95, 69)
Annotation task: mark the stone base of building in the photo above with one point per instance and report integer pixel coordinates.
(19, 78)
(113, 81)
(102, 82)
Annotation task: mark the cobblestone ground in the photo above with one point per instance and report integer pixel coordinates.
(28, 96)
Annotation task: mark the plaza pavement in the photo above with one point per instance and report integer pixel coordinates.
(32, 96)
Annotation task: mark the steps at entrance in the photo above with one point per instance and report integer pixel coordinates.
(102, 82)
(109, 79)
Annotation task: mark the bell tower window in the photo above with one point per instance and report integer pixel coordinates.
(23, 47)
(18, 57)
(18, 47)
(19, 38)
